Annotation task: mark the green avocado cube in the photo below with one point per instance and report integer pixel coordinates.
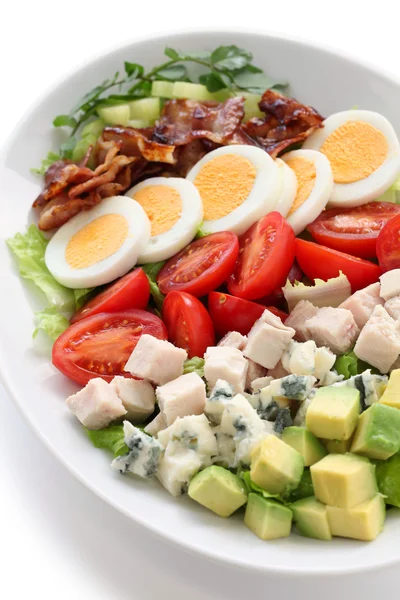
(311, 518)
(267, 519)
(362, 522)
(304, 442)
(344, 480)
(388, 477)
(337, 446)
(333, 413)
(275, 466)
(378, 432)
(219, 490)
(391, 395)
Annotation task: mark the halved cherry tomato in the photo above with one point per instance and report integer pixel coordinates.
(353, 230)
(324, 263)
(267, 251)
(202, 266)
(131, 291)
(188, 323)
(388, 245)
(230, 313)
(277, 298)
(99, 346)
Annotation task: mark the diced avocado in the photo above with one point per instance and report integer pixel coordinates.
(337, 446)
(305, 489)
(219, 490)
(162, 89)
(304, 442)
(139, 123)
(378, 432)
(344, 480)
(391, 395)
(388, 477)
(147, 109)
(267, 519)
(311, 518)
(363, 522)
(276, 466)
(115, 115)
(333, 413)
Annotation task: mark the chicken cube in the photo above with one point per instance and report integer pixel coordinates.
(303, 311)
(254, 371)
(390, 284)
(137, 396)
(267, 340)
(392, 306)
(233, 339)
(97, 405)
(185, 395)
(333, 327)
(278, 371)
(379, 341)
(229, 364)
(362, 303)
(156, 425)
(156, 360)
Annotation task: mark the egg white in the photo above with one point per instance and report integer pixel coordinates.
(262, 197)
(114, 266)
(288, 189)
(370, 188)
(165, 245)
(320, 194)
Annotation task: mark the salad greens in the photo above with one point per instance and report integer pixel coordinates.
(152, 270)
(110, 438)
(194, 365)
(46, 162)
(51, 322)
(349, 365)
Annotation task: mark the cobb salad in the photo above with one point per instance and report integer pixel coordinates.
(221, 267)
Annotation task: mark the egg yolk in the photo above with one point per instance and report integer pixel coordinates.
(355, 150)
(96, 241)
(224, 183)
(306, 173)
(162, 204)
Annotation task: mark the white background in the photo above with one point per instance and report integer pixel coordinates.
(57, 540)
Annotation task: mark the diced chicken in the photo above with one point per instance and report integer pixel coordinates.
(333, 327)
(277, 372)
(183, 396)
(267, 340)
(156, 360)
(229, 364)
(137, 396)
(392, 306)
(379, 341)
(324, 361)
(156, 425)
(362, 303)
(260, 383)
(390, 284)
(233, 339)
(303, 311)
(299, 358)
(97, 405)
(254, 371)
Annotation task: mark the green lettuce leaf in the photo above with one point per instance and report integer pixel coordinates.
(46, 162)
(201, 233)
(110, 438)
(349, 365)
(388, 477)
(29, 250)
(82, 296)
(194, 365)
(253, 487)
(51, 322)
(152, 270)
(305, 489)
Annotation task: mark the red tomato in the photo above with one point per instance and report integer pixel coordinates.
(131, 291)
(277, 298)
(188, 323)
(353, 230)
(388, 245)
(99, 346)
(230, 313)
(323, 263)
(266, 254)
(202, 266)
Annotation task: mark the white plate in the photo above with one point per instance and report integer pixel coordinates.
(328, 81)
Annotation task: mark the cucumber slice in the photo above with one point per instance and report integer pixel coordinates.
(93, 128)
(193, 91)
(89, 136)
(162, 89)
(139, 123)
(115, 115)
(147, 109)
(251, 109)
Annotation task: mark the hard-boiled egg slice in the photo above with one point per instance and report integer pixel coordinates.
(238, 185)
(364, 153)
(314, 186)
(98, 245)
(175, 210)
(288, 189)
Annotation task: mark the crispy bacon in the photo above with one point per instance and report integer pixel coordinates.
(138, 143)
(287, 122)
